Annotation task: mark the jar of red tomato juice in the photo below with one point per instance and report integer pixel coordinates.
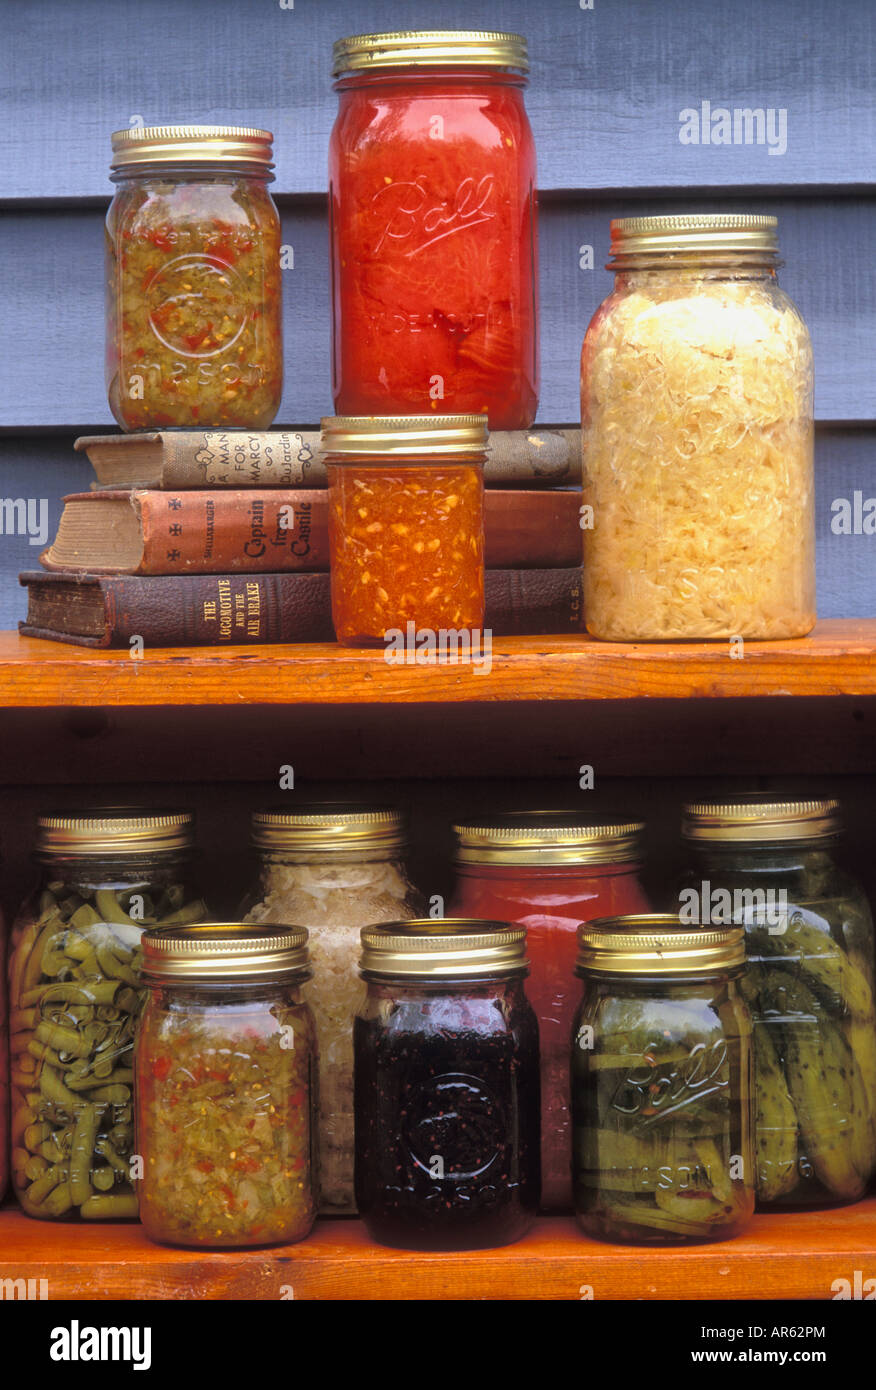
(549, 871)
(433, 227)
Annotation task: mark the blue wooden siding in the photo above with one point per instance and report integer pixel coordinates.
(606, 91)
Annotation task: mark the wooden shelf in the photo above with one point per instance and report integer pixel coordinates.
(839, 658)
(789, 1256)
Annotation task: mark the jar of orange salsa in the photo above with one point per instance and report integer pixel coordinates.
(406, 529)
(549, 871)
(193, 280)
(433, 210)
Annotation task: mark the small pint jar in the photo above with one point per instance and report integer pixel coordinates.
(697, 433)
(662, 1083)
(226, 1083)
(433, 227)
(406, 531)
(194, 324)
(446, 1086)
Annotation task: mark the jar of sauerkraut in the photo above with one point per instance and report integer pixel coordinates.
(225, 1083)
(333, 868)
(697, 417)
(194, 336)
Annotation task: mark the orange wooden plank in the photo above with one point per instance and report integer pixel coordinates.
(798, 1255)
(838, 659)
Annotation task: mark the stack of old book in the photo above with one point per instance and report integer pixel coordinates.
(190, 538)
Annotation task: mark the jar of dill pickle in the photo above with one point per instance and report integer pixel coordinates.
(773, 866)
(661, 1083)
(75, 994)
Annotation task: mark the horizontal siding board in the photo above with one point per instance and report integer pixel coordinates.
(845, 461)
(52, 267)
(606, 90)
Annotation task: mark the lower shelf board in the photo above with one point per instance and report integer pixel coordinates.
(798, 1255)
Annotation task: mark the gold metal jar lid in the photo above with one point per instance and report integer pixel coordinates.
(692, 234)
(656, 944)
(331, 828)
(757, 818)
(547, 838)
(113, 830)
(443, 948)
(403, 434)
(225, 951)
(192, 144)
(430, 48)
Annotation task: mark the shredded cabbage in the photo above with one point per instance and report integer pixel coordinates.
(334, 902)
(696, 400)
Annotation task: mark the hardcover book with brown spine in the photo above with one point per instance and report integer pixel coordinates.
(92, 610)
(146, 531)
(185, 459)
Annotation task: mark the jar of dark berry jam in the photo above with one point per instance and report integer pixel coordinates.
(446, 1085)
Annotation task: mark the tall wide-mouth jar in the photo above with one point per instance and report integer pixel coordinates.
(75, 994)
(548, 871)
(773, 866)
(226, 1087)
(332, 867)
(662, 1082)
(697, 419)
(433, 227)
(446, 1086)
(406, 532)
(194, 314)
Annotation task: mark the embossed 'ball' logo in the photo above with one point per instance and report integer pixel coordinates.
(458, 1119)
(196, 306)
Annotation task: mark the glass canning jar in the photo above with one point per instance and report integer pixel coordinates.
(662, 1083)
(548, 871)
(697, 419)
(226, 1087)
(74, 990)
(4, 1069)
(406, 532)
(446, 1086)
(433, 227)
(334, 868)
(194, 324)
(772, 865)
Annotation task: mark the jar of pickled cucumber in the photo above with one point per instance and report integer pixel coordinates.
(74, 996)
(333, 867)
(194, 328)
(226, 1087)
(772, 865)
(663, 1149)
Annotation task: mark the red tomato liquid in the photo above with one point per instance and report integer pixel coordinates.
(434, 255)
(550, 903)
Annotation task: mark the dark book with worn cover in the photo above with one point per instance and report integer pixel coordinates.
(93, 610)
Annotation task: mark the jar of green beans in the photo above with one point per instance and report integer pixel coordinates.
(74, 996)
